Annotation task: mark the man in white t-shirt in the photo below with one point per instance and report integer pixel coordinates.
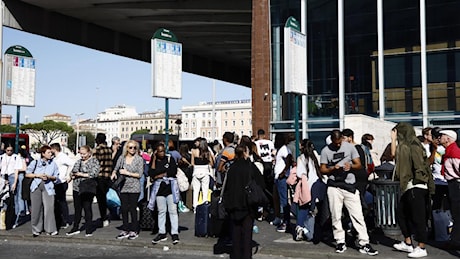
(65, 165)
(9, 162)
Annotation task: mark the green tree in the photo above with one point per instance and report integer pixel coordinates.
(48, 131)
(141, 131)
(7, 129)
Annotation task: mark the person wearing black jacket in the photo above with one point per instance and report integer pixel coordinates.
(241, 214)
(163, 170)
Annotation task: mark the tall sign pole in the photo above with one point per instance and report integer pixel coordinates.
(295, 62)
(166, 70)
(18, 86)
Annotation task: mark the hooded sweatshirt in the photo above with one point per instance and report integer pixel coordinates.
(412, 166)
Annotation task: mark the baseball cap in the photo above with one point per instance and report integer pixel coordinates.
(450, 133)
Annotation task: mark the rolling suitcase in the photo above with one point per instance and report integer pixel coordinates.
(147, 218)
(202, 220)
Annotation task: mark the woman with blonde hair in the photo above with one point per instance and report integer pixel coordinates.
(84, 170)
(130, 165)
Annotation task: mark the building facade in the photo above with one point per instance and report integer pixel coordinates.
(396, 62)
(233, 116)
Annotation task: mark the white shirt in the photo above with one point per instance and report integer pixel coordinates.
(65, 165)
(280, 164)
(265, 149)
(312, 175)
(9, 163)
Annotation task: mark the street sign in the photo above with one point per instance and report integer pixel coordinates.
(166, 65)
(19, 75)
(295, 58)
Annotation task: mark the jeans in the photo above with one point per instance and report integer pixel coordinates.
(60, 204)
(128, 208)
(282, 191)
(20, 205)
(103, 185)
(166, 204)
(83, 202)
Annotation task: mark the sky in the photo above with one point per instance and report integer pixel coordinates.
(72, 79)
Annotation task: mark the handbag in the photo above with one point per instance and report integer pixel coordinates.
(182, 180)
(254, 193)
(119, 182)
(292, 178)
(87, 186)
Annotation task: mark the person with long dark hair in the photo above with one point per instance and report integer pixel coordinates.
(241, 214)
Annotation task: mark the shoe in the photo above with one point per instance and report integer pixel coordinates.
(73, 231)
(281, 228)
(15, 226)
(123, 234)
(158, 238)
(65, 226)
(402, 246)
(105, 223)
(175, 239)
(88, 234)
(132, 235)
(367, 249)
(276, 222)
(418, 252)
(35, 234)
(340, 248)
(53, 233)
(299, 233)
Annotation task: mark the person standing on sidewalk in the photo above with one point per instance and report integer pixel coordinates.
(130, 165)
(104, 155)
(450, 169)
(338, 161)
(85, 168)
(416, 183)
(266, 150)
(45, 173)
(65, 166)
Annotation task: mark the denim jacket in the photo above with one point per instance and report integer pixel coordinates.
(156, 186)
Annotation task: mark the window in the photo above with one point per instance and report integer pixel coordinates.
(203, 123)
(242, 122)
(233, 123)
(203, 115)
(225, 123)
(225, 114)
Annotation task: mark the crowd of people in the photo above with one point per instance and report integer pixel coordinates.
(330, 192)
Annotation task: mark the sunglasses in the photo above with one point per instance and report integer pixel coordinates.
(132, 147)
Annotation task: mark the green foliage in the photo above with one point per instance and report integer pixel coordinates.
(141, 131)
(48, 131)
(7, 129)
(90, 139)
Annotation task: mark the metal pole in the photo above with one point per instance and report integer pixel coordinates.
(213, 125)
(341, 65)
(381, 59)
(167, 124)
(423, 63)
(296, 124)
(18, 119)
(303, 28)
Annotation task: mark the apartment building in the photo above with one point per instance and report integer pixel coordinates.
(211, 120)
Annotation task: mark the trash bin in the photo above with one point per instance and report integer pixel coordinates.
(387, 194)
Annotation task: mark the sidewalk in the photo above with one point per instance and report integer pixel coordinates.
(271, 243)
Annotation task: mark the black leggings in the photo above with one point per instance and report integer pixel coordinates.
(128, 206)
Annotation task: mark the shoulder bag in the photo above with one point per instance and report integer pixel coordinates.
(182, 180)
(254, 193)
(87, 185)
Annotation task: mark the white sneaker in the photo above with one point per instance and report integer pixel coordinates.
(402, 246)
(106, 223)
(418, 252)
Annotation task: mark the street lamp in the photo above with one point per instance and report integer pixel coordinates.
(78, 129)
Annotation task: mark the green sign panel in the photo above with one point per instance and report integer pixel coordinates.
(292, 23)
(18, 50)
(165, 34)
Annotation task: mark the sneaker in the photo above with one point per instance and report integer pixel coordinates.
(367, 249)
(15, 226)
(73, 231)
(65, 226)
(123, 234)
(299, 233)
(281, 228)
(132, 235)
(402, 246)
(105, 223)
(340, 248)
(53, 233)
(88, 234)
(418, 252)
(276, 222)
(35, 234)
(158, 238)
(175, 239)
